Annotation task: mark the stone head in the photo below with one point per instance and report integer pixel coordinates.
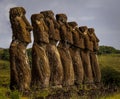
(48, 13)
(83, 29)
(91, 30)
(36, 18)
(73, 24)
(20, 25)
(61, 17)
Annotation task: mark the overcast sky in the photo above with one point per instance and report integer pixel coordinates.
(103, 15)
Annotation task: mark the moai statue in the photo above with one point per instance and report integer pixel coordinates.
(93, 56)
(75, 53)
(20, 75)
(40, 63)
(52, 51)
(88, 77)
(65, 43)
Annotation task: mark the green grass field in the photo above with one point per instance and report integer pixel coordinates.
(108, 60)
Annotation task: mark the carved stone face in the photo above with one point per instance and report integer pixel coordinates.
(40, 30)
(61, 17)
(91, 30)
(83, 29)
(20, 25)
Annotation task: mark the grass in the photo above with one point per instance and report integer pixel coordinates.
(110, 61)
(113, 96)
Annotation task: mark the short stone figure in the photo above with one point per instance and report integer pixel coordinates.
(56, 76)
(75, 53)
(88, 77)
(20, 75)
(40, 62)
(63, 47)
(93, 56)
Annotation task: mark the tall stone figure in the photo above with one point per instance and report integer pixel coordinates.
(93, 56)
(20, 75)
(88, 76)
(75, 53)
(63, 47)
(40, 63)
(56, 68)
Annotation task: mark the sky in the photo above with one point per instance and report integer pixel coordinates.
(102, 15)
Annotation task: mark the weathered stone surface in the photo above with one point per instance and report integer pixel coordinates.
(40, 63)
(77, 65)
(75, 54)
(65, 29)
(93, 56)
(56, 76)
(40, 28)
(88, 77)
(20, 76)
(52, 25)
(56, 68)
(40, 67)
(64, 50)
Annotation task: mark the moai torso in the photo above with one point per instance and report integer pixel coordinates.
(19, 64)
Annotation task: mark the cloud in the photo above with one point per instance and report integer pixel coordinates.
(86, 18)
(94, 4)
(7, 8)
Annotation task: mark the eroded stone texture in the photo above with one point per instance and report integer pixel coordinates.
(40, 63)
(20, 75)
(66, 41)
(56, 68)
(75, 53)
(93, 55)
(88, 77)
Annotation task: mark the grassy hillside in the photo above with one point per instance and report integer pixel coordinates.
(109, 64)
(110, 60)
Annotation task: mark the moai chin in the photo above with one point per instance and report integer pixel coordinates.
(75, 54)
(40, 63)
(52, 51)
(65, 43)
(20, 75)
(93, 56)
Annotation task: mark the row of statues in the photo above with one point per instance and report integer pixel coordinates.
(63, 54)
